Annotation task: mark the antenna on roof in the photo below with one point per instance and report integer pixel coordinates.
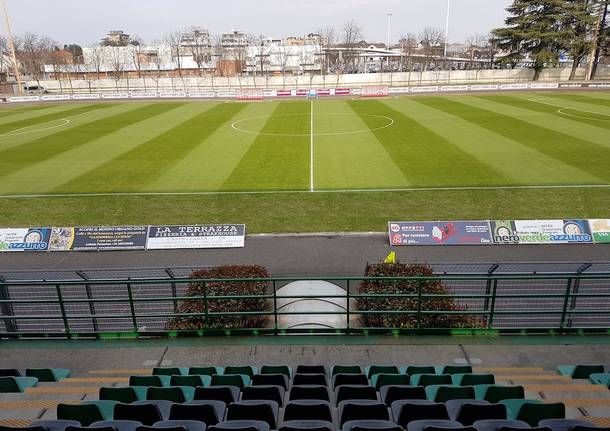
(11, 46)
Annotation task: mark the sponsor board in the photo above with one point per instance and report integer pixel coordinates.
(143, 95)
(513, 87)
(228, 94)
(399, 90)
(202, 94)
(343, 91)
(24, 239)
(19, 99)
(439, 233)
(454, 88)
(115, 96)
(284, 93)
(428, 89)
(172, 94)
(597, 85)
(269, 93)
(570, 85)
(600, 229)
(57, 97)
(484, 87)
(543, 85)
(323, 92)
(86, 96)
(196, 237)
(98, 238)
(540, 231)
(302, 93)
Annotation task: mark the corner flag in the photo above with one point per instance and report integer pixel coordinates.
(391, 258)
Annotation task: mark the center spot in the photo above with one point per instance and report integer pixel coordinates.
(324, 124)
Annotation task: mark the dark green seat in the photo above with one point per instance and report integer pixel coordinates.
(600, 379)
(371, 370)
(193, 381)
(379, 380)
(238, 380)
(533, 411)
(125, 395)
(443, 393)
(85, 413)
(345, 369)
(175, 394)
(205, 370)
(48, 375)
(430, 379)
(454, 369)
(496, 393)
(149, 381)
(16, 384)
(418, 369)
(245, 370)
(580, 371)
(276, 369)
(473, 379)
(170, 371)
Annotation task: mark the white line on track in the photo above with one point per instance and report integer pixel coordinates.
(290, 192)
(573, 109)
(311, 188)
(17, 132)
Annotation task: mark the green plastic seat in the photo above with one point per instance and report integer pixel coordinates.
(125, 395)
(106, 407)
(345, 369)
(87, 412)
(371, 370)
(48, 375)
(175, 394)
(580, 371)
(600, 379)
(238, 380)
(430, 379)
(193, 381)
(496, 393)
(454, 369)
(473, 379)
(276, 369)
(444, 393)
(170, 371)
(16, 384)
(149, 381)
(533, 411)
(379, 380)
(246, 370)
(205, 370)
(418, 369)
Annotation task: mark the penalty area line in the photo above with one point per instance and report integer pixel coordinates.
(320, 191)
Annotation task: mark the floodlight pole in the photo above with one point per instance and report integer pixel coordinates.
(389, 28)
(11, 46)
(447, 27)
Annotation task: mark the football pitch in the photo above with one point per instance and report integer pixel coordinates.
(302, 166)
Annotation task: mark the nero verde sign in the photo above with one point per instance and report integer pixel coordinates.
(540, 231)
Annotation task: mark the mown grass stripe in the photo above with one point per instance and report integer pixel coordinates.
(277, 162)
(425, 158)
(45, 118)
(582, 98)
(572, 114)
(133, 170)
(584, 155)
(21, 157)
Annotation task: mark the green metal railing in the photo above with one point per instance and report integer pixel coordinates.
(551, 304)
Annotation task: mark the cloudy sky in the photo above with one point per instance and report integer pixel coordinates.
(86, 21)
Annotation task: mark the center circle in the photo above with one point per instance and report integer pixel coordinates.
(242, 125)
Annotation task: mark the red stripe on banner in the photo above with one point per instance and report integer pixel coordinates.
(283, 93)
(302, 92)
(323, 92)
(343, 91)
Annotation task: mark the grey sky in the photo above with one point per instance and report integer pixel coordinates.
(86, 21)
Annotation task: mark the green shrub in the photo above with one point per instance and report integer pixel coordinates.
(225, 288)
(444, 303)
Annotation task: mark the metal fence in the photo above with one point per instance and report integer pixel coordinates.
(498, 297)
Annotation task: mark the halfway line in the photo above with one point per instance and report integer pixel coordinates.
(311, 188)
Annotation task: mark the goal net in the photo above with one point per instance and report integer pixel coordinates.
(375, 91)
(250, 94)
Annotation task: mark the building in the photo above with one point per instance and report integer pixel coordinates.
(116, 38)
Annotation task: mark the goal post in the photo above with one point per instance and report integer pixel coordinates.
(375, 91)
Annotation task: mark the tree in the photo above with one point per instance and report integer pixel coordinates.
(174, 41)
(603, 39)
(118, 60)
(96, 51)
(135, 52)
(408, 46)
(326, 40)
(197, 42)
(431, 40)
(352, 34)
(538, 31)
(582, 22)
(33, 52)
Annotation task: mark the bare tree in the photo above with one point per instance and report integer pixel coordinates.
(197, 42)
(174, 41)
(327, 39)
(408, 46)
(432, 40)
(4, 54)
(351, 34)
(96, 52)
(33, 51)
(135, 52)
(117, 59)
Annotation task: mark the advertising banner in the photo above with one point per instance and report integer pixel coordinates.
(323, 92)
(85, 96)
(195, 237)
(284, 93)
(454, 88)
(596, 85)
(97, 238)
(429, 89)
(24, 99)
(115, 96)
(56, 97)
(600, 229)
(202, 94)
(302, 93)
(172, 95)
(24, 239)
(540, 231)
(570, 85)
(399, 90)
(513, 86)
(484, 87)
(439, 233)
(543, 85)
(143, 95)
(343, 91)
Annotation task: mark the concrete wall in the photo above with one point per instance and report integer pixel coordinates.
(314, 81)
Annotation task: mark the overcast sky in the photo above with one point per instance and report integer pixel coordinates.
(87, 21)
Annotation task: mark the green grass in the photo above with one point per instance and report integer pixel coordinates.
(546, 139)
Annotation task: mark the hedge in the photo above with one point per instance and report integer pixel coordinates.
(444, 303)
(209, 289)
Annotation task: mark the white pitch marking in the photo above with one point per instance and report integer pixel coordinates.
(311, 189)
(17, 133)
(287, 192)
(573, 109)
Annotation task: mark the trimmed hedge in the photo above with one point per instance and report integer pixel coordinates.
(199, 288)
(445, 303)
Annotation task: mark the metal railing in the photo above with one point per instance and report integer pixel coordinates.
(468, 304)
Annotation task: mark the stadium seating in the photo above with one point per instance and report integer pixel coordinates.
(258, 410)
(392, 393)
(349, 379)
(47, 374)
(275, 379)
(308, 425)
(580, 371)
(272, 393)
(276, 369)
(379, 380)
(345, 369)
(431, 379)
(309, 392)
(16, 384)
(226, 394)
(240, 425)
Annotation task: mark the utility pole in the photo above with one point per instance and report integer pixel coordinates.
(389, 29)
(11, 46)
(595, 41)
(447, 27)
